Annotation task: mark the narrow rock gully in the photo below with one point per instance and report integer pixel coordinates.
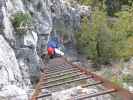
(64, 80)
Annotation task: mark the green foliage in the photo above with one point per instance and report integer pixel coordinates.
(21, 22)
(111, 6)
(128, 78)
(114, 6)
(93, 3)
(92, 40)
(86, 2)
(122, 35)
(117, 80)
(21, 19)
(103, 43)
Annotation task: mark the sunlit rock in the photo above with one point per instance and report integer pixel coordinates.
(10, 71)
(74, 93)
(12, 92)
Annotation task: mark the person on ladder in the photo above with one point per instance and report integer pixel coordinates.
(53, 48)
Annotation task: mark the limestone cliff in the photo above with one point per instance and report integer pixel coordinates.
(20, 61)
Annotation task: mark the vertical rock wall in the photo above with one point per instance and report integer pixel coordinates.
(20, 60)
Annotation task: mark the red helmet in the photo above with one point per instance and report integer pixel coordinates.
(50, 51)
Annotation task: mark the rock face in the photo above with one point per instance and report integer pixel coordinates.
(10, 73)
(20, 61)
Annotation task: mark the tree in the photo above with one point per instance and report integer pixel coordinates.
(95, 41)
(102, 43)
(122, 35)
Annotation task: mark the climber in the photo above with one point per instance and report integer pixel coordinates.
(53, 48)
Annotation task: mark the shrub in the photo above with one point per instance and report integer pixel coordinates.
(94, 39)
(103, 43)
(21, 20)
